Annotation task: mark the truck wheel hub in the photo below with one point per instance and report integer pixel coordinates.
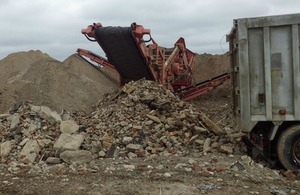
(296, 151)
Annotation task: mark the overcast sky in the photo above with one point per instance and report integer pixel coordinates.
(54, 27)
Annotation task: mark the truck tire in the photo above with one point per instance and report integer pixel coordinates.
(288, 148)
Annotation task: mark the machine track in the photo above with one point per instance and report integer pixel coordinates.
(122, 51)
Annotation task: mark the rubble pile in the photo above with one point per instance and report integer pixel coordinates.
(139, 120)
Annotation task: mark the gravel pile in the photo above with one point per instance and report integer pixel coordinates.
(139, 120)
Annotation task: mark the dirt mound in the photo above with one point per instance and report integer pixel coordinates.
(14, 63)
(70, 85)
(73, 84)
(217, 103)
(207, 66)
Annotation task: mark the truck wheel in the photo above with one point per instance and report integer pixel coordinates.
(288, 148)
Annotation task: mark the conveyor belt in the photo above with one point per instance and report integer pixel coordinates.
(122, 51)
(202, 87)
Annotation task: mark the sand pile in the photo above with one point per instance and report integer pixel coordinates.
(73, 84)
(207, 66)
(70, 85)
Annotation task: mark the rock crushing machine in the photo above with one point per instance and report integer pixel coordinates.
(128, 54)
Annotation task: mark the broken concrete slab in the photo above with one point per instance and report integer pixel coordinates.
(69, 127)
(153, 118)
(30, 150)
(211, 124)
(15, 121)
(53, 160)
(68, 142)
(77, 157)
(5, 148)
(134, 147)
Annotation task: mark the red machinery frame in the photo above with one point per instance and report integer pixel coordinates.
(172, 68)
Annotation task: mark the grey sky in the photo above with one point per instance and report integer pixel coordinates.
(54, 27)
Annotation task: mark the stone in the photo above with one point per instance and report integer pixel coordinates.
(198, 168)
(111, 151)
(15, 121)
(207, 174)
(53, 160)
(126, 140)
(180, 165)
(237, 135)
(148, 98)
(122, 154)
(131, 155)
(193, 138)
(44, 142)
(153, 118)
(246, 159)
(106, 145)
(216, 129)
(222, 168)
(35, 109)
(32, 128)
(23, 142)
(142, 153)
(237, 167)
(102, 154)
(5, 148)
(77, 157)
(192, 162)
(134, 147)
(226, 149)
(200, 142)
(56, 117)
(129, 167)
(206, 143)
(68, 142)
(108, 138)
(167, 175)
(96, 147)
(69, 127)
(215, 145)
(199, 130)
(137, 127)
(208, 149)
(149, 122)
(45, 112)
(4, 115)
(30, 150)
(278, 192)
(123, 123)
(66, 117)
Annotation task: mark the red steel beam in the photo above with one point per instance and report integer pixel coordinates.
(94, 58)
(202, 89)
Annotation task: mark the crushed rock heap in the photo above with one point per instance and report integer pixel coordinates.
(140, 120)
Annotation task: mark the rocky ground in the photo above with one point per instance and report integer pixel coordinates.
(140, 139)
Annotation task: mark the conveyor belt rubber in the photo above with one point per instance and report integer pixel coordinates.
(122, 51)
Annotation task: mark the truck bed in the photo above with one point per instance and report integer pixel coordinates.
(265, 73)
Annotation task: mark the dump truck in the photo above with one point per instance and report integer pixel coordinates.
(265, 79)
